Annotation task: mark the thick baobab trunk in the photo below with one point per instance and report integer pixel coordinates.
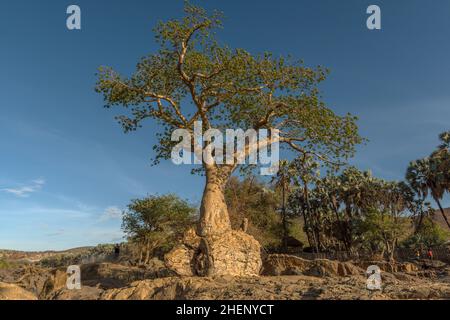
(215, 249)
(214, 218)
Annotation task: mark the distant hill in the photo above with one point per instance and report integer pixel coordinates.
(439, 219)
(33, 256)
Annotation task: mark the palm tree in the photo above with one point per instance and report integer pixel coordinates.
(306, 171)
(283, 180)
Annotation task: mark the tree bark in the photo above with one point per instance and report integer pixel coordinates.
(147, 252)
(284, 217)
(214, 218)
(305, 227)
(141, 252)
(419, 223)
(216, 249)
(342, 228)
(310, 217)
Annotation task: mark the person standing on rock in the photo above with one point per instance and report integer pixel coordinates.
(116, 251)
(430, 254)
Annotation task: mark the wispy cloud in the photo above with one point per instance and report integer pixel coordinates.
(103, 235)
(25, 190)
(56, 233)
(111, 213)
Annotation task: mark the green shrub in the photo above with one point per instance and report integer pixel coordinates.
(5, 264)
(429, 235)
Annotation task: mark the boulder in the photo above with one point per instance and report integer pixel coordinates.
(283, 264)
(85, 293)
(190, 239)
(180, 260)
(13, 292)
(232, 253)
(387, 266)
(324, 267)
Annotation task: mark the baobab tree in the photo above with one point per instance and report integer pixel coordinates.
(194, 78)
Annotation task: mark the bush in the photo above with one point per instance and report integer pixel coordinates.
(5, 264)
(430, 234)
(99, 253)
(155, 223)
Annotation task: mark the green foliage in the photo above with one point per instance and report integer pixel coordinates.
(430, 234)
(380, 231)
(339, 211)
(255, 201)
(101, 252)
(5, 264)
(157, 221)
(261, 203)
(61, 260)
(193, 77)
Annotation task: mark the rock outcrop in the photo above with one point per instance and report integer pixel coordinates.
(286, 277)
(14, 292)
(296, 287)
(85, 293)
(181, 260)
(386, 266)
(233, 253)
(282, 264)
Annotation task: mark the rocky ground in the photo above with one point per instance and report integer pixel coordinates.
(283, 277)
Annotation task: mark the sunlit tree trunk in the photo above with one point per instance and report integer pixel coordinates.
(214, 218)
(284, 217)
(147, 252)
(141, 253)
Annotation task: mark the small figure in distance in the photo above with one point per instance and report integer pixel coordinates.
(418, 255)
(430, 254)
(116, 251)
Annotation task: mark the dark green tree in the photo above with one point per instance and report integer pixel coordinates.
(157, 222)
(255, 201)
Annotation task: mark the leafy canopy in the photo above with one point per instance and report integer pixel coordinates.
(195, 78)
(157, 219)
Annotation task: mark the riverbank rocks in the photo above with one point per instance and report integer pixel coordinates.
(13, 292)
(282, 264)
(387, 266)
(288, 277)
(233, 253)
(294, 287)
(181, 260)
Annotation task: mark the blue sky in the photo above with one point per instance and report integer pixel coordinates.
(67, 168)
